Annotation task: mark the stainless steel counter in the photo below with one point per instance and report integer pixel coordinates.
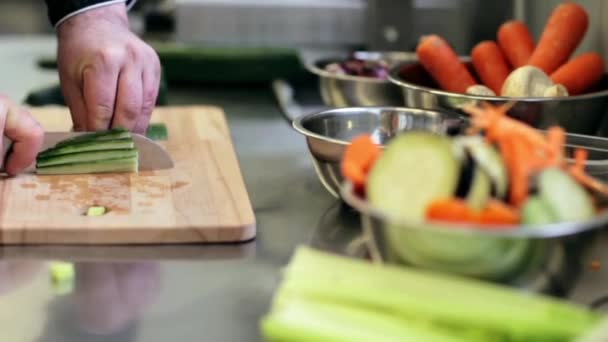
(182, 293)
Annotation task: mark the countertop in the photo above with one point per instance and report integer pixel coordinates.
(184, 293)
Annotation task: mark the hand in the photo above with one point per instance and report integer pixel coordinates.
(17, 124)
(109, 77)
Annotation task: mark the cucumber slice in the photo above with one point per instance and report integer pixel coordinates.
(83, 157)
(112, 134)
(567, 200)
(157, 131)
(121, 165)
(480, 190)
(96, 211)
(536, 212)
(88, 146)
(415, 169)
(489, 159)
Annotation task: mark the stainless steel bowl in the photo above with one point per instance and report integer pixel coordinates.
(329, 132)
(581, 114)
(354, 91)
(505, 255)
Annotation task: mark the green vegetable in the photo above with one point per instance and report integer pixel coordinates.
(157, 131)
(480, 190)
(536, 212)
(566, 199)
(62, 277)
(120, 165)
(112, 134)
(488, 159)
(96, 211)
(87, 156)
(325, 297)
(89, 146)
(415, 169)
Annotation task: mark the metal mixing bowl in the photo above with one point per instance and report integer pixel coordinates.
(354, 91)
(329, 132)
(496, 254)
(582, 114)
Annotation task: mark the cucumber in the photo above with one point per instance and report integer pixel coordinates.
(567, 200)
(481, 189)
(415, 169)
(536, 212)
(83, 157)
(489, 159)
(96, 211)
(101, 166)
(157, 131)
(112, 134)
(88, 146)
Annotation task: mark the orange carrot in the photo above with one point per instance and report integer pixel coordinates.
(562, 34)
(358, 159)
(496, 212)
(490, 65)
(516, 42)
(450, 210)
(580, 73)
(440, 60)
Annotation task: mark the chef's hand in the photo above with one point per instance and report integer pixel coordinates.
(109, 77)
(17, 124)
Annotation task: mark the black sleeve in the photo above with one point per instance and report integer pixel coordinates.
(59, 10)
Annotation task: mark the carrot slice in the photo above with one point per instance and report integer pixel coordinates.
(497, 212)
(580, 73)
(561, 35)
(440, 60)
(490, 64)
(450, 210)
(516, 42)
(358, 159)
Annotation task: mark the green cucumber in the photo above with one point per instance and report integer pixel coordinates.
(567, 199)
(121, 165)
(88, 146)
(415, 169)
(536, 212)
(83, 157)
(481, 189)
(157, 131)
(112, 134)
(96, 211)
(489, 159)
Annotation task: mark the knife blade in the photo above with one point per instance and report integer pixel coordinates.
(152, 156)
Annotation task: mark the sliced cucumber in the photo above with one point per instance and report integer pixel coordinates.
(567, 200)
(481, 189)
(88, 146)
(96, 211)
(536, 212)
(157, 131)
(489, 159)
(83, 157)
(415, 169)
(121, 165)
(112, 134)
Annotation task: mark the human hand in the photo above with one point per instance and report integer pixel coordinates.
(26, 134)
(109, 77)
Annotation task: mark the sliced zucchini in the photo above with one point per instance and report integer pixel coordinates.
(567, 200)
(88, 156)
(415, 169)
(121, 165)
(536, 212)
(89, 146)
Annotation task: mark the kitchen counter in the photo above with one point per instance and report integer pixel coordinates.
(183, 293)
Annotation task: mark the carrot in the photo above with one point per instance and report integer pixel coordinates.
(490, 65)
(580, 73)
(562, 34)
(516, 42)
(358, 159)
(450, 210)
(440, 60)
(496, 212)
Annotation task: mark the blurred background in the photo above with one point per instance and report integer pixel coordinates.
(373, 24)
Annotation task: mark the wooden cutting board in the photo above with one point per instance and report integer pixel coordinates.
(202, 199)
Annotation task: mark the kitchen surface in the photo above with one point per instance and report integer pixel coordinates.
(220, 291)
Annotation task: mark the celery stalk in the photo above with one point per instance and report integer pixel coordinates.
(443, 300)
(308, 320)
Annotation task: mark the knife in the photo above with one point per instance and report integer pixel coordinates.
(152, 156)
